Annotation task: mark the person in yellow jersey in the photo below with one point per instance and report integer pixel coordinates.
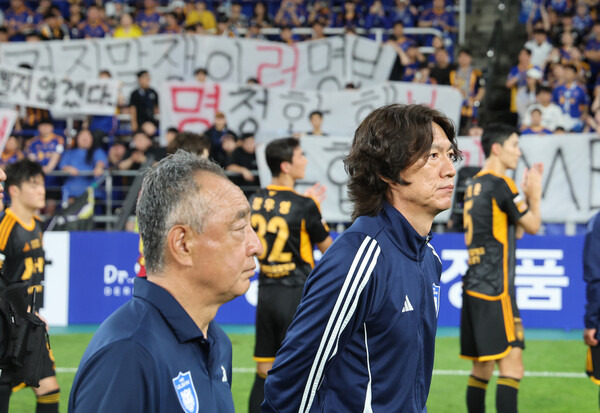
(288, 225)
(495, 215)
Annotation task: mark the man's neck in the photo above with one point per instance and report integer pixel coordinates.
(195, 304)
(495, 165)
(284, 180)
(22, 212)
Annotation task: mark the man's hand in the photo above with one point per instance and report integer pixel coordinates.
(589, 337)
(532, 182)
(317, 191)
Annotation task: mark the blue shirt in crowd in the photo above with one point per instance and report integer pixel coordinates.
(150, 356)
(76, 185)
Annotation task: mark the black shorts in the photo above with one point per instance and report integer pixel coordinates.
(275, 310)
(592, 365)
(489, 329)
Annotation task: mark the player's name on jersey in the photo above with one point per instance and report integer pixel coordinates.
(279, 270)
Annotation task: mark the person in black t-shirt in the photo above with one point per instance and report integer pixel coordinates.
(143, 103)
(243, 159)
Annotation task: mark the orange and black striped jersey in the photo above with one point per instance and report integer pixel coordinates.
(491, 210)
(22, 252)
(287, 224)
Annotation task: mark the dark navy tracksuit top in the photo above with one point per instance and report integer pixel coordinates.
(363, 337)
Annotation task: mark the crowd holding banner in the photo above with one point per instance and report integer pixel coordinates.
(90, 96)
(326, 64)
(276, 112)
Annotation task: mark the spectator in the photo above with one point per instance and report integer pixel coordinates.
(113, 10)
(378, 17)
(517, 77)
(150, 129)
(261, 15)
(399, 38)
(243, 160)
(171, 25)
(440, 71)
(215, 134)
(177, 7)
(149, 18)
(573, 99)
(127, 28)
(405, 13)
(291, 13)
(437, 43)
(103, 126)
(471, 85)
(552, 115)
(564, 53)
(4, 34)
(201, 75)
(349, 16)
(582, 21)
(143, 151)
(223, 28)
(85, 156)
(540, 48)
(46, 149)
(53, 28)
(18, 18)
(170, 136)
(555, 74)
(320, 12)
(317, 31)
(228, 144)
(410, 60)
(526, 95)
(237, 20)
(199, 13)
(93, 26)
(566, 26)
(286, 36)
(535, 127)
(592, 50)
(439, 18)
(12, 152)
(253, 31)
(75, 20)
(423, 75)
(190, 142)
(143, 102)
(316, 121)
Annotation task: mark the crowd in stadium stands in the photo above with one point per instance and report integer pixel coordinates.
(551, 84)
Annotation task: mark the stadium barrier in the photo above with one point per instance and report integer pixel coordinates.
(90, 274)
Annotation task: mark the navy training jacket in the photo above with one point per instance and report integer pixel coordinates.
(363, 337)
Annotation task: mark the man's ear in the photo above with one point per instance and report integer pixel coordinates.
(496, 148)
(180, 242)
(13, 191)
(285, 167)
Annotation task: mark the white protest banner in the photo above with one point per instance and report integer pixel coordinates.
(571, 180)
(277, 112)
(43, 90)
(8, 117)
(326, 64)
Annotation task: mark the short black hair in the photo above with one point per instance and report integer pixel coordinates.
(496, 133)
(465, 51)
(200, 70)
(278, 151)
(105, 72)
(22, 171)
(173, 129)
(141, 73)
(246, 136)
(316, 112)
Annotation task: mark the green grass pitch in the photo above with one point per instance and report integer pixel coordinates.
(570, 392)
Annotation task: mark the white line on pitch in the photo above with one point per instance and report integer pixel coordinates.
(559, 374)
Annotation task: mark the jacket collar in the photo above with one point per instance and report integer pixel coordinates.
(402, 234)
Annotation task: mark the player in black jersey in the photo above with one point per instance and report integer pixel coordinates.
(22, 258)
(494, 216)
(287, 224)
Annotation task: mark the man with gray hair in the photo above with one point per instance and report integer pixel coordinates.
(162, 351)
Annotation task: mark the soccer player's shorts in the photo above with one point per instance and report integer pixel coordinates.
(275, 310)
(489, 329)
(592, 364)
